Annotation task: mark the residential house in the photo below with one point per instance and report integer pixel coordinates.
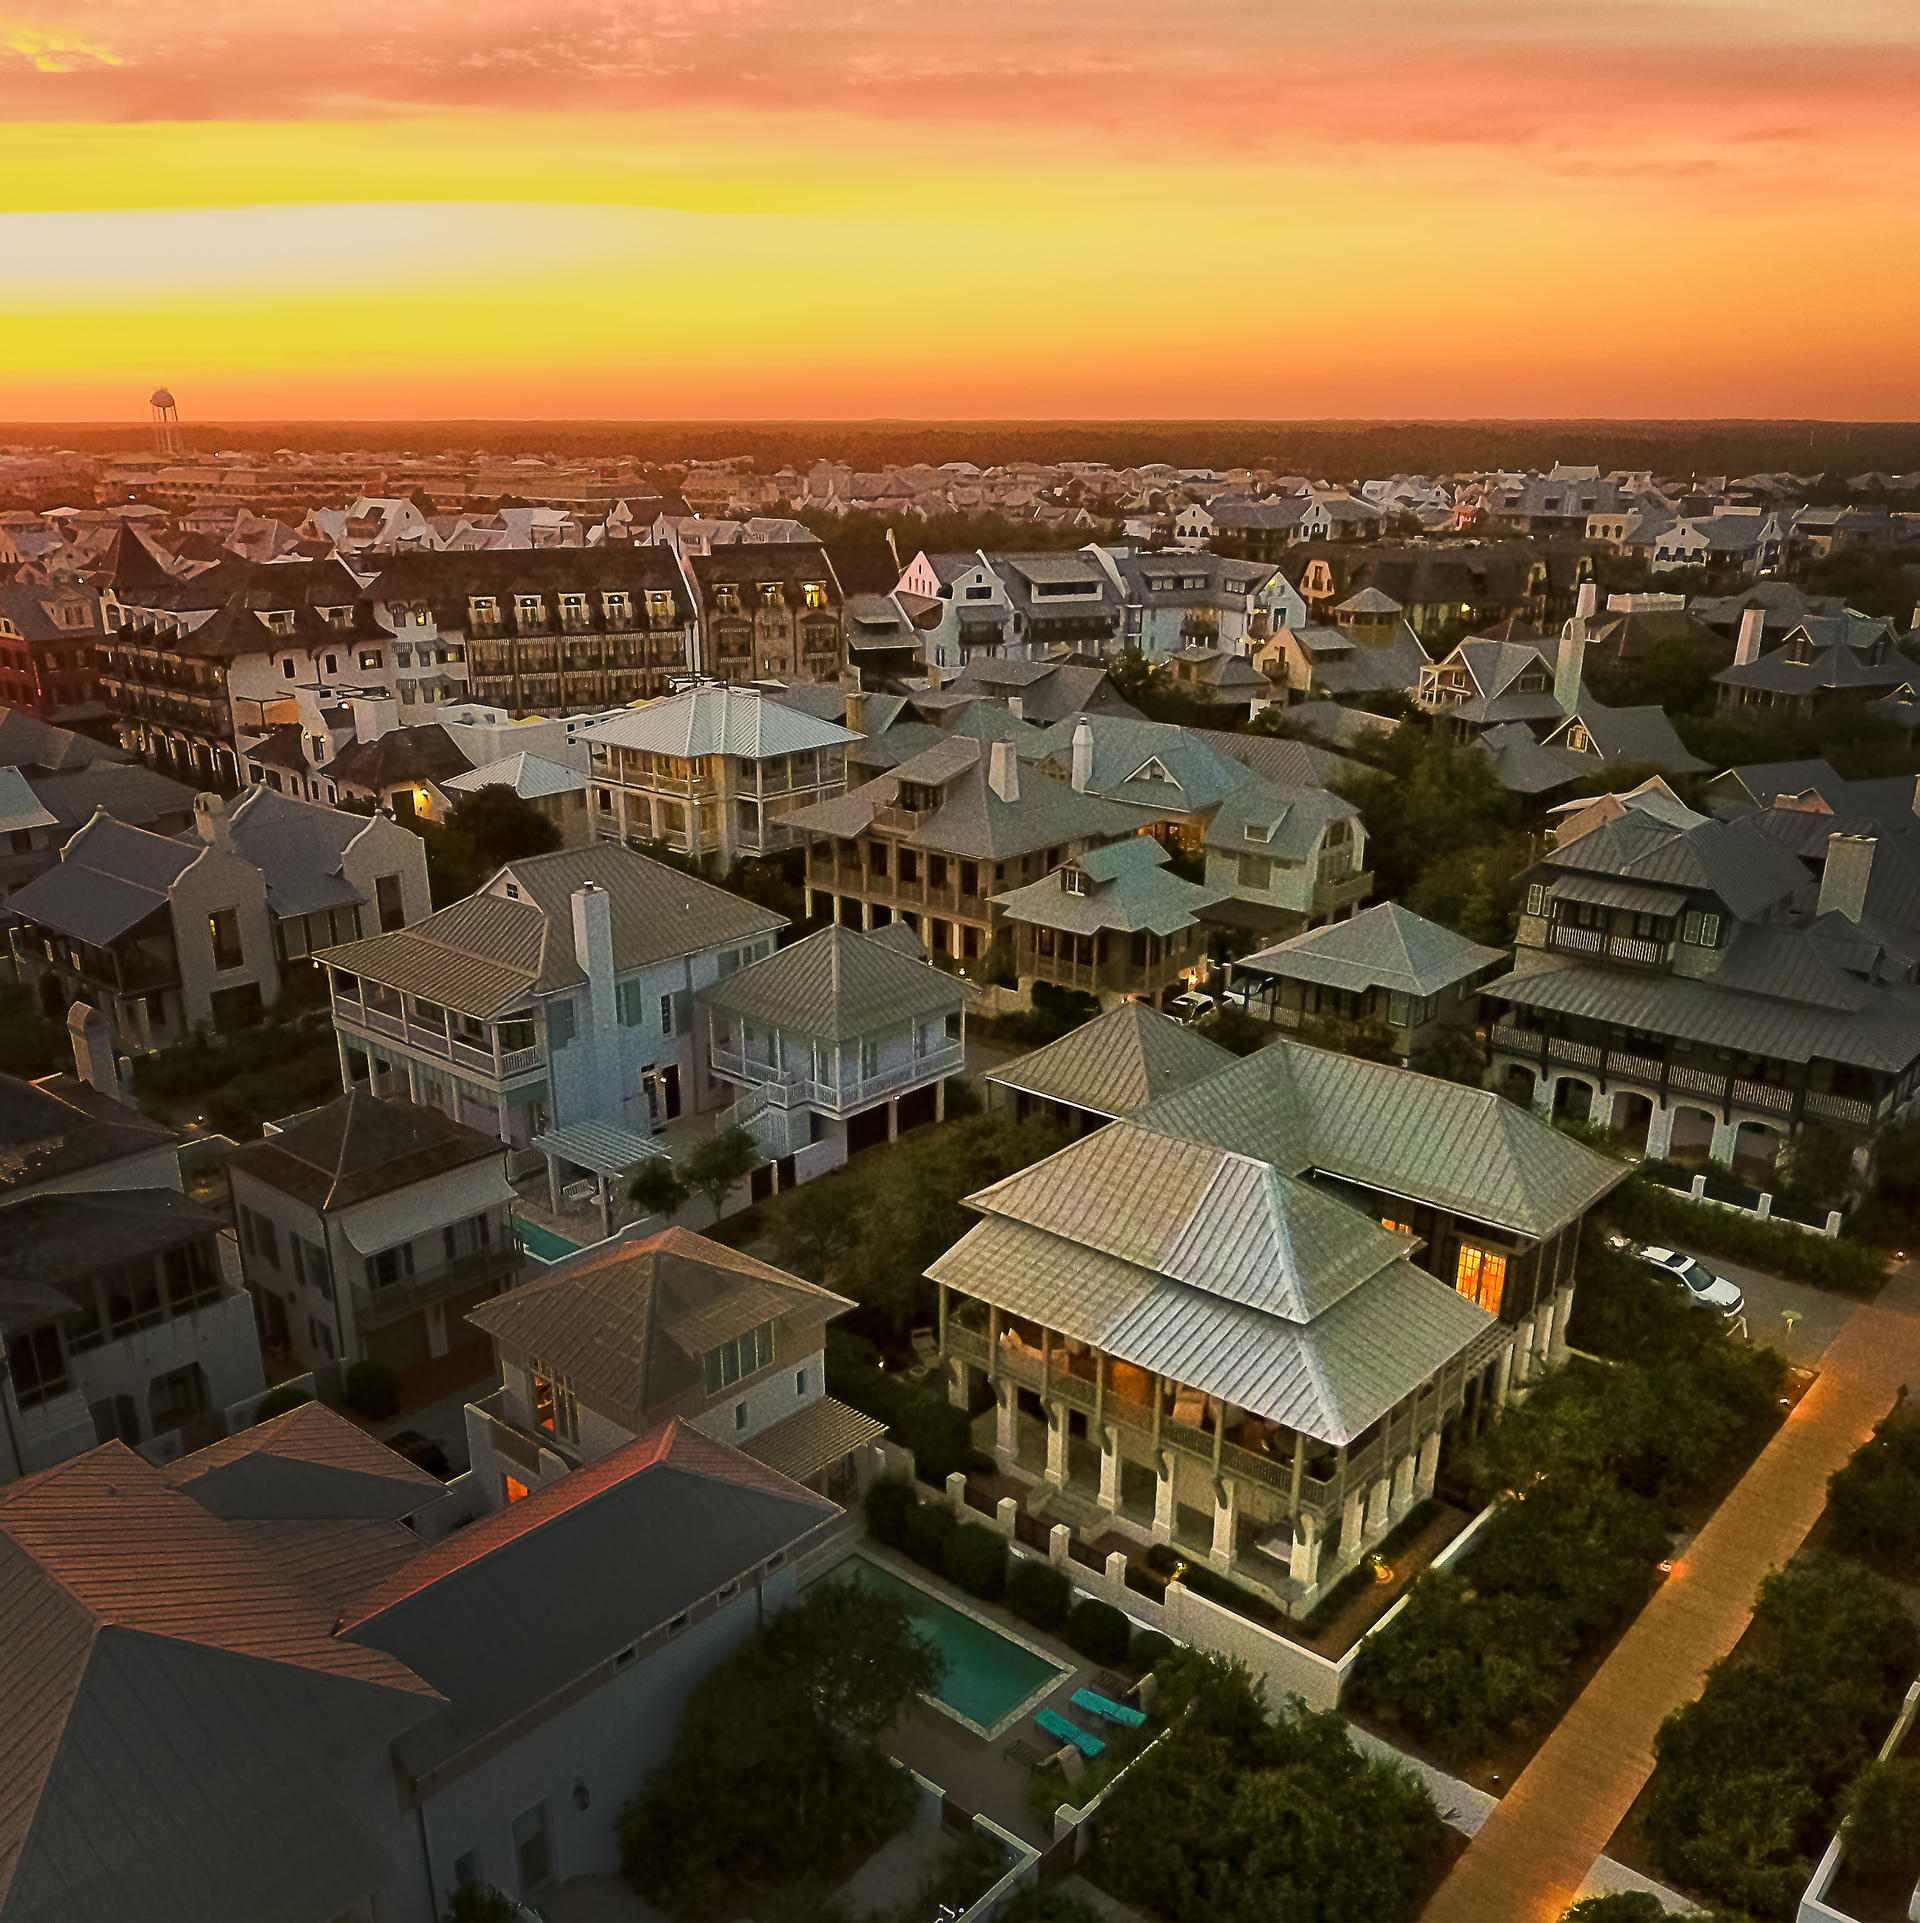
(559, 996)
(836, 1043)
(1063, 601)
(1181, 600)
(368, 756)
(1262, 1306)
(1733, 545)
(1384, 964)
(373, 1726)
(368, 1228)
(967, 603)
(1257, 531)
(715, 772)
(769, 609)
(1043, 693)
(1826, 661)
(49, 633)
(672, 1327)
(126, 1317)
(1284, 859)
(1218, 679)
(549, 788)
(933, 842)
(36, 747)
(1110, 922)
(1672, 979)
(1106, 1068)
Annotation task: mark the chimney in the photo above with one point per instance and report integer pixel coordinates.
(593, 950)
(1587, 602)
(1844, 875)
(93, 1059)
(1003, 771)
(210, 818)
(1752, 623)
(1914, 623)
(1082, 754)
(1017, 707)
(934, 673)
(1568, 668)
(373, 716)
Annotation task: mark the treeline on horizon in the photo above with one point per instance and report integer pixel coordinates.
(1330, 449)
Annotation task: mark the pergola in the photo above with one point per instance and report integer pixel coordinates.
(604, 1150)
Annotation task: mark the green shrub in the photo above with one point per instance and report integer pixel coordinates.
(1618, 1906)
(920, 1419)
(1165, 1560)
(1098, 1631)
(1146, 1647)
(1651, 1212)
(276, 1402)
(976, 1558)
(1047, 1903)
(1038, 1593)
(930, 1529)
(890, 1505)
(1882, 1815)
(1873, 1501)
(371, 1389)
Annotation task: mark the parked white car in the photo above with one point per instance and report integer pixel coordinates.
(1192, 1006)
(1699, 1281)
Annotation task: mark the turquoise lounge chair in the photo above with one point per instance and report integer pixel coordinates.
(1107, 1710)
(1057, 1726)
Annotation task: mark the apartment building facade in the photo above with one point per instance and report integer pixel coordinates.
(769, 610)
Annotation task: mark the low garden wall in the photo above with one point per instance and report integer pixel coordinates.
(1023, 1860)
(1813, 1906)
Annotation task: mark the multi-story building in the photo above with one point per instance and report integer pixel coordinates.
(1112, 923)
(932, 843)
(1061, 601)
(1248, 1320)
(548, 630)
(1682, 980)
(562, 993)
(644, 1331)
(49, 638)
(969, 610)
(1176, 601)
(769, 610)
(715, 772)
(837, 1043)
(1285, 859)
(1827, 661)
(368, 1228)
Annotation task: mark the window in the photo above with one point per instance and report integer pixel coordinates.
(724, 1366)
(389, 1266)
(1481, 1276)
(1072, 881)
(533, 1850)
(561, 1026)
(1536, 898)
(387, 898)
(1700, 929)
(739, 1415)
(631, 1000)
(799, 1382)
(815, 593)
(265, 1236)
(1399, 1228)
(223, 930)
(1399, 1009)
(287, 668)
(1256, 871)
(369, 657)
(38, 1365)
(554, 1410)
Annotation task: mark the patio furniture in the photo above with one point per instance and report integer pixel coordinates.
(1024, 1755)
(1057, 1725)
(1108, 1684)
(1107, 1710)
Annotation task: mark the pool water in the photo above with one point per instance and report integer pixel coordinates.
(989, 1677)
(543, 1244)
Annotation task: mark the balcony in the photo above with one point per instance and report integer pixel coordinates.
(784, 1090)
(362, 1018)
(1337, 891)
(1597, 942)
(377, 1303)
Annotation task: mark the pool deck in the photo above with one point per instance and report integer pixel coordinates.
(975, 1773)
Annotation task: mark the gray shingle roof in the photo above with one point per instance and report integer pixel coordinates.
(1116, 1063)
(1386, 946)
(835, 985)
(1130, 889)
(1733, 861)
(298, 847)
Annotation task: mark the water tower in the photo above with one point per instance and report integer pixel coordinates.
(166, 424)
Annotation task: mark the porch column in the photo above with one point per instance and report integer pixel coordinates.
(1299, 1476)
(940, 1099)
(1303, 1559)
(893, 1118)
(866, 913)
(1350, 1514)
(503, 1120)
(1659, 1133)
(413, 1080)
(1522, 1352)
(1543, 1094)
(1164, 1464)
(346, 1068)
(1543, 1321)
(807, 910)
(1425, 1476)
(1401, 1499)
(1226, 1518)
(1378, 1498)
(1502, 1377)
(606, 1204)
(1057, 1444)
(1006, 1437)
(1110, 1461)
(1562, 1309)
(1725, 1136)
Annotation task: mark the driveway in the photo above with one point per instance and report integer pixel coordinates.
(1821, 1313)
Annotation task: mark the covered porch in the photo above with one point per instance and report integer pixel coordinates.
(600, 1157)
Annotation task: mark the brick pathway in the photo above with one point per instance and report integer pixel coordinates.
(1534, 1851)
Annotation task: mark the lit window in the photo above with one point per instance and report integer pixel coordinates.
(1399, 1228)
(1481, 1276)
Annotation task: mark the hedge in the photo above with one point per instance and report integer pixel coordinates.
(1098, 1631)
(1650, 1213)
(1147, 1647)
(930, 1529)
(1166, 1560)
(889, 1505)
(1038, 1593)
(921, 1420)
(977, 1560)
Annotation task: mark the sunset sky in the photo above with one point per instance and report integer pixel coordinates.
(960, 208)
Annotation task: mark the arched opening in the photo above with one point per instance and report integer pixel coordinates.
(1632, 1117)
(1517, 1085)
(1756, 1154)
(1572, 1100)
(1692, 1137)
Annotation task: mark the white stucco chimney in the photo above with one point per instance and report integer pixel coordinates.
(374, 715)
(1003, 771)
(1082, 754)
(1844, 875)
(1586, 603)
(1747, 648)
(1570, 664)
(1017, 707)
(599, 1031)
(210, 820)
(93, 1058)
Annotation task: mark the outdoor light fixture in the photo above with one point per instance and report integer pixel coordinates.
(1666, 1568)
(582, 1796)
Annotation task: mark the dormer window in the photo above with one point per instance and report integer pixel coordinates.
(279, 621)
(1261, 831)
(769, 592)
(726, 1365)
(1073, 881)
(814, 593)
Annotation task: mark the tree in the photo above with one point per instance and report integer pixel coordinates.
(1235, 1030)
(497, 827)
(1882, 1815)
(1453, 1054)
(717, 1166)
(30, 1044)
(1819, 1163)
(1873, 1500)
(856, 1653)
(657, 1187)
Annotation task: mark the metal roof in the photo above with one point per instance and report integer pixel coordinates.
(1386, 946)
(1116, 1063)
(1129, 891)
(532, 777)
(1603, 893)
(837, 984)
(361, 1145)
(20, 807)
(716, 720)
(299, 847)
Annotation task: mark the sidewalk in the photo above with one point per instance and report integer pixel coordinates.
(1535, 1850)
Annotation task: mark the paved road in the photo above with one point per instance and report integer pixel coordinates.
(1822, 1313)
(1535, 1851)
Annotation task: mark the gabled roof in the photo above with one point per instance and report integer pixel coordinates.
(1150, 764)
(425, 752)
(361, 1145)
(837, 984)
(717, 720)
(109, 879)
(20, 808)
(532, 777)
(136, 795)
(1132, 890)
(1385, 946)
(61, 1126)
(298, 846)
(1116, 1063)
(625, 1327)
(1458, 1148)
(1731, 860)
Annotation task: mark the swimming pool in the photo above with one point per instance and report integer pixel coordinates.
(992, 1678)
(542, 1244)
